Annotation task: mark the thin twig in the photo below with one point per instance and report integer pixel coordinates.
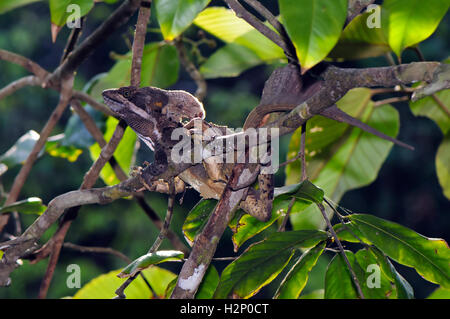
(97, 250)
(26, 63)
(242, 13)
(12, 87)
(21, 177)
(391, 100)
(341, 249)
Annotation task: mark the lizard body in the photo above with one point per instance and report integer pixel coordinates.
(153, 114)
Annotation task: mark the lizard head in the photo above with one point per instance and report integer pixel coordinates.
(176, 105)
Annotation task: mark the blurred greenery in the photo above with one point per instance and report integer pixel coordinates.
(406, 191)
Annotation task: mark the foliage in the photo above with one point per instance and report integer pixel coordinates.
(338, 157)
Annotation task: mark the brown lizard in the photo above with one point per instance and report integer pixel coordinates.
(155, 113)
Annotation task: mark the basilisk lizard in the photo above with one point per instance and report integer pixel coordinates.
(155, 113)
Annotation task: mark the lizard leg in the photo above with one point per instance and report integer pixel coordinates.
(258, 203)
(156, 168)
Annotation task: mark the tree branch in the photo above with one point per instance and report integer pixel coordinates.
(21, 177)
(84, 50)
(242, 13)
(12, 87)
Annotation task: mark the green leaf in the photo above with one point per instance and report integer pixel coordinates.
(104, 286)
(403, 289)
(32, 205)
(338, 280)
(440, 293)
(430, 257)
(428, 107)
(209, 284)
(6, 5)
(222, 23)
(442, 165)
(316, 294)
(375, 284)
(197, 218)
(358, 41)
(350, 233)
(245, 48)
(294, 282)
(160, 66)
(76, 134)
(19, 152)
(408, 22)
(305, 194)
(229, 61)
(174, 16)
(314, 27)
(148, 260)
(59, 9)
(263, 261)
(123, 153)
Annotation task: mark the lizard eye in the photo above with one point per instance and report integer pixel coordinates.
(126, 93)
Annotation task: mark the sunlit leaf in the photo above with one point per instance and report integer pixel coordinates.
(222, 23)
(6, 5)
(246, 47)
(443, 166)
(104, 286)
(440, 293)
(229, 61)
(150, 259)
(174, 16)
(263, 261)
(294, 282)
(314, 27)
(358, 41)
(430, 257)
(32, 205)
(408, 22)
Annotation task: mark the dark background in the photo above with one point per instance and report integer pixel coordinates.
(406, 191)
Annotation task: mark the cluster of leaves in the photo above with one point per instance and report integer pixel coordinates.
(339, 157)
(297, 252)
